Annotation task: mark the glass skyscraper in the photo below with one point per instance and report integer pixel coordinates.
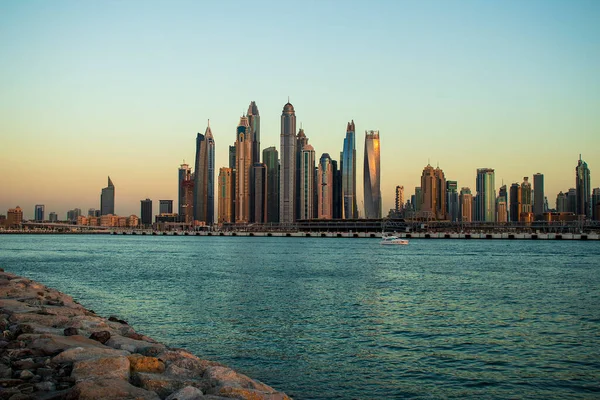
(372, 175)
(271, 160)
(583, 189)
(485, 206)
(204, 176)
(348, 168)
(107, 199)
(287, 173)
(538, 194)
(39, 212)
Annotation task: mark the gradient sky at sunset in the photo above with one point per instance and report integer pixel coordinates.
(90, 89)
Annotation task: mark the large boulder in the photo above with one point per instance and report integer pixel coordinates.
(101, 368)
(133, 345)
(108, 389)
(54, 344)
(187, 393)
(79, 354)
(140, 363)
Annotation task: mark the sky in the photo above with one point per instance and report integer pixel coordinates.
(120, 88)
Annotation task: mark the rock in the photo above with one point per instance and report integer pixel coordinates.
(223, 376)
(45, 386)
(5, 383)
(115, 319)
(70, 331)
(26, 363)
(44, 372)
(108, 389)
(132, 345)
(53, 344)
(102, 336)
(163, 384)
(250, 394)
(187, 393)
(20, 396)
(5, 371)
(49, 320)
(80, 353)
(26, 374)
(139, 363)
(101, 368)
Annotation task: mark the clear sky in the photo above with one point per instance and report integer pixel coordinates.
(90, 89)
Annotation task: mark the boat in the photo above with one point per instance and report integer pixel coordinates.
(391, 239)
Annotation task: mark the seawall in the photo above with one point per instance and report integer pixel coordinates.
(53, 348)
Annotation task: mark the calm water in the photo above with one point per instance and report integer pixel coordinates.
(347, 318)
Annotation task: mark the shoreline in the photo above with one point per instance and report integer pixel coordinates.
(486, 235)
(54, 348)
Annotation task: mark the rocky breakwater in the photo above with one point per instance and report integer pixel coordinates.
(53, 348)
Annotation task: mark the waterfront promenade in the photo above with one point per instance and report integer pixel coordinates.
(53, 348)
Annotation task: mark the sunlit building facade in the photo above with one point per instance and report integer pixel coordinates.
(307, 180)
(485, 204)
(466, 205)
(325, 187)
(243, 159)
(348, 168)
(225, 196)
(287, 173)
(107, 199)
(372, 175)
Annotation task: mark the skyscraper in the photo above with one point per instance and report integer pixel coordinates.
(372, 176)
(243, 158)
(561, 202)
(440, 194)
(485, 205)
(183, 174)
(502, 205)
(325, 187)
(271, 160)
(307, 180)
(337, 190)
(515, 202)
(204, 177)
(572, 200)
(39, 212)
(225, 196)
(399, 199)
(418, 199)
(301, 141)
(254, 125)
(526, 197)
(583, 188)
(259, 184)
(165, 206)
(466, 205)
(538, 194)
(428, 193)
(107, 199)
(146, 212)
(596, 204)
(452, 206)
(348, 167)
(287, 180)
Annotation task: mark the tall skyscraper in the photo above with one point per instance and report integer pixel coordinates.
(440, 194)
(254, 125)
(225, 196)
(583, 188)
(259, 183)
(526, 197)
(232, 157)
(399, 199)
(165, 206)
(187, 206)
(307, 180)
(502, 205)
(572, 200)
(243, 159)
(287, 176)
(271, 160)
(204, 177)
(39, 212)
(350, 211)
(538, 194)
(325, 187)
(485, 205)
(146, 212)
(466, 205)
(428, 193)
(107, 199)
(561, 202)
(372, 176)
(452, 206)
(301, 141)
(515, 202)
(418, 199)
(183, 174)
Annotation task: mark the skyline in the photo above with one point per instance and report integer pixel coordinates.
(511, 87)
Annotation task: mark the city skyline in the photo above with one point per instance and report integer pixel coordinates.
(512, 87)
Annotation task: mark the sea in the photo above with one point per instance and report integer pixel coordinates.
(347, 318)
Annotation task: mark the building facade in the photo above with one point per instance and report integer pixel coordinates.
(145, 212)
(271, 161)
(583, 189)
(107, 199)
(485, 204)
(538, 195)
(225, 196)
(307, 180)
(204, 177)
(452, 205)
(39, 212)
(165, 206)
(372, 175)
(348, 167)
(259, 183)
(243, 159)
(183, 173)
(466, 205)
(399, 199)
(325, 187)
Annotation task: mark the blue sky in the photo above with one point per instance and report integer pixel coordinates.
(90, 89)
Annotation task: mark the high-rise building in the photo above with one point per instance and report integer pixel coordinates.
(182, 174)
(146, 212)
(428, 193)
(165, 206)
(204, 177)
(14, 217)
(259, 183)
(583, 188)
(39, 212)
(225, 196)
(325, 187)
(399, 200)
(348, 167)
(572, 200)
(307, 180)
(107, 199)
(287, 173)
(452, 205)
(526, 196)
(501, 210)
(254, 125)
(187, 207)
(73, 214)
(596, 204)
(440, 194)
(418, 201)
(232, 157)
(271, 160)
(243, 159)
(466, 205)
(301, 141)
(485, 205)
(53, 217)
(372, 176)
(561, 202)
(538, 195)
(515, 202)
(91, 212)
